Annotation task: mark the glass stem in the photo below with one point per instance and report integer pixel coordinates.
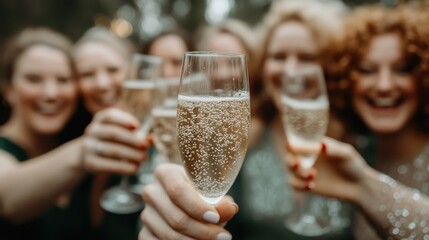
(125, 182)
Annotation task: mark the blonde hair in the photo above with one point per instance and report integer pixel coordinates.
(102, 35)
(324, 19)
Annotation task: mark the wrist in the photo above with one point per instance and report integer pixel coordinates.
(74, 150)
(367, 187)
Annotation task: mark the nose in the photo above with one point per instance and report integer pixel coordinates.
(51, 89)
(385, 80)
(103, 80)
(291, 63)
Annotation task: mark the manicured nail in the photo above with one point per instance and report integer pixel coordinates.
(211, 217)
(132, 127)
(294, 165)
(323, 150)
(309, 186)
(236, 207)
(309, 176)
(223, 236)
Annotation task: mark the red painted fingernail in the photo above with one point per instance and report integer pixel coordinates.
(310, 176)
(132, 127)
(143, 145)
(323, 150)
(309, 186)
(295, 165)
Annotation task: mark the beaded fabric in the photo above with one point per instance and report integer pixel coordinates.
(404, 210)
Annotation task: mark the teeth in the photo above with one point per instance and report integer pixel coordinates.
(384, 102)
(48, 109)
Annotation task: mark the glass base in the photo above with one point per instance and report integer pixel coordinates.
(120, 201)
(307, 225)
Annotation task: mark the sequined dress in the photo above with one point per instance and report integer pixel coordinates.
(403, 203)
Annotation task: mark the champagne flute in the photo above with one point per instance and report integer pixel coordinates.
(164, 116)
(138, 94)
(213, 120)
(305, 114)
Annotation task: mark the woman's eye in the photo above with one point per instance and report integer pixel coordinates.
(86, 74)
(112, 69)
(63, 80)
(307, 57)
(367, 70)
(278, 56)
(33, 78)
(404, 68)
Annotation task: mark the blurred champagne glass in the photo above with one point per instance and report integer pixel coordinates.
(305, 113)
(164, 121)
(138, 94)
(213, 119)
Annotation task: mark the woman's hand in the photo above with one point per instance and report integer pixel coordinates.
(174, 209)
(111, 144)
(339, 172)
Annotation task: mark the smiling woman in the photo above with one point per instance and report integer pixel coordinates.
(38, 84)
(381, 87)
(102, 60)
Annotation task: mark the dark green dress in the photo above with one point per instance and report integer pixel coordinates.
(70, 223)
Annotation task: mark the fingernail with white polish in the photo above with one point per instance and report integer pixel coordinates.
(211, 217)
(223, 236)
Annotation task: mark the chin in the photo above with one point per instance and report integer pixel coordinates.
(385, 128)
(49, 128)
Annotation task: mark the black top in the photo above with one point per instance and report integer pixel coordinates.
(70, 222)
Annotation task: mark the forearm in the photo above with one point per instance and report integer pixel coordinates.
(394, 210)
(33, 186)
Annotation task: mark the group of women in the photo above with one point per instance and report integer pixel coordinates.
(46, 152)
(63, 130)
(372, 171)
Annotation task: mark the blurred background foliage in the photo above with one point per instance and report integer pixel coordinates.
(136, 19)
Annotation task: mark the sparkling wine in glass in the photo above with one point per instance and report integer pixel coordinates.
(164, 116)
(138, 92)
(305, 113)
(213, 120)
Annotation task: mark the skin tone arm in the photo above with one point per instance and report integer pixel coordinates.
(27, 189)
(395, 211)
(174, 210)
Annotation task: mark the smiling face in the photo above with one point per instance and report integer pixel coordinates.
(42, 93)
(385, 92)
(171, 49)
(291, 45)
(101, 73)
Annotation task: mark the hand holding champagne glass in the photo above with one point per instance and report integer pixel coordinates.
(213, 119)
(305, 113)
(138, 94)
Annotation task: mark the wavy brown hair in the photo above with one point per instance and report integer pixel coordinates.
(361, 26)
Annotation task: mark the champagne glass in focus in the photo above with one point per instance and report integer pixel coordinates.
(164, 115)
(305, 113)
(213, 120)
(138, 93)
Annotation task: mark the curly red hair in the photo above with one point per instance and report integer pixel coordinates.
(361, 26)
